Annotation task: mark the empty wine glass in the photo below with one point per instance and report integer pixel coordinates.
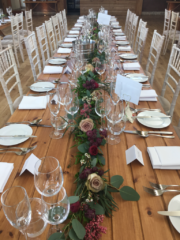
(56, 208)
(48, 175)
(17, 208)
(64, 91)
(9, 10)
(114, 96)
(53, 100)
(101, 45)
(72, 105)
(100, 68)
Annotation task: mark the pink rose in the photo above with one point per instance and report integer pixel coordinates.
(86, 124)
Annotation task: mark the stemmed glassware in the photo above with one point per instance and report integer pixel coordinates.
(100, 68)
(9, 10)
(101, 45)
(17, 208)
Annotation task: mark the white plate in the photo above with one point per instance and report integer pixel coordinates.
(174, 205)
(66, 45)
(128, 56)
(42, 86)
(72, 36)
(154, 123)
(57, 61)
(138, 77)
(119, 34)
(14, 129)
(122, 42)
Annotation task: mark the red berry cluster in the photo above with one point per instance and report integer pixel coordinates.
(91, 85)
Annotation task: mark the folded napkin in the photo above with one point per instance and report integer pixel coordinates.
(29, 102)
(78, 25)
(52, 70)
(131, 66)
(74, 32)
(126, 48)
(115, 23)
(64, 50)
(164, 157)
(117, 30)
(122, 38)
(80, 20)
(69, 39)
(81, 17)
(76, 29)
(148, 95)
(5, 172)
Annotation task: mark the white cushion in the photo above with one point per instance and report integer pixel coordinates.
(10, 37)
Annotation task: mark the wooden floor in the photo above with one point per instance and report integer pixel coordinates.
(153, 22)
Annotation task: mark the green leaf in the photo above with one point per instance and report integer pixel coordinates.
(105, 189)
(103, 142)
(116, 181)
(57, 236)
(98, 208)
(69, 116)
(73, 199)
(94, 162)
(73, 235)
(88, 93)
(129, 194)
(102, 159)
(84, 147)
(112, 189)
(78, 228)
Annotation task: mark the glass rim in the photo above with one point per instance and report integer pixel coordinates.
(50, 203)
(2, 201)
(59, 166)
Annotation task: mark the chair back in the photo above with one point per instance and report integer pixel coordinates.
(141, 24)
(57, 31)
(33, 54)
(29, 21)
(126, 22)
(9, 76)
(51, 37)
(141, 43)
(130, 22)
(133, 30)
(20, 21)
(61, 24)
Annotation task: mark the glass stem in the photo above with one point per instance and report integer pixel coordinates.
(56, 132)
(102, 123)
(25, 234)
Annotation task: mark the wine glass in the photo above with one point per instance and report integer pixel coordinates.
(72, 105)
(116, 123)
(53, 100)
(64, 91)
(100, 68)
(56, 208)
(17, 208)
(48, 175)
(101, 45)
(9, 10)
(100, 109)
(114, 96)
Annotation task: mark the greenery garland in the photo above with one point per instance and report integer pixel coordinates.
(92, 198)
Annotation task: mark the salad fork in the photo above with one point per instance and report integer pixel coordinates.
(20, 153)
(158, 192)
(20, 148)
(161, 186)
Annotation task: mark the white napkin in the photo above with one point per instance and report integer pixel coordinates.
(115, 23)
(131, 66)
(5, 172)
(63, 50)
(81, 17)
(164, 157)
(69, 39)
(75, 29)
(52, 70)
(7, 20)
(74, 32)
(117, 30)
(148, 95)
(29, 102)
(78, 25)
(126, 48)
(80, 20)
(122, 38)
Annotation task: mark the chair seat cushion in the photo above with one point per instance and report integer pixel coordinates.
(7, 42)
(165, 104)
(9, 37)
(177, 129)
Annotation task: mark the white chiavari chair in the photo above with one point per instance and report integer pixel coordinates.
(130, 22)
(141, 43)
(57, 32)
(133, 30)
(173, 72)
(43, 43)
(51, 37)
(173, 33)
(33, 54)
(0, 45)
(15, 41)
(141, 24)
(167, 19)
(126, 22)
(154, 53)
(9, 75)
(61, 24)
(65, 21)
(177, 129)
(29, 22)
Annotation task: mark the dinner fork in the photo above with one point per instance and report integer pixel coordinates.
(20, 148)
(144, 109)
(19, 153)
(161, 186)
(158, 192)
(146, 134)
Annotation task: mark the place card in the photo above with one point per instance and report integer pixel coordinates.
(128, 89)
(67, 70)
(133, 153)
(103, 19)
(29, 164)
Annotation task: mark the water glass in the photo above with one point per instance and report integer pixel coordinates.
(64, 91)
(114, 96)
(48, 176)
(101, 109)
(71, 105)
(100, 68)
(56, 208)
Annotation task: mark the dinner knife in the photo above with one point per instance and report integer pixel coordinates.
(170, 213)
(17, 136)
(152, 117)
(33, 125)
(162, 132)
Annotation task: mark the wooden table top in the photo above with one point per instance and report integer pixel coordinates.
(2, 26)
(133, 220)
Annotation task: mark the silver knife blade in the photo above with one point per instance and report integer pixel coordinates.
(17, 136)
(161, 132)
(170, 213)
(133, 132)
(39, 125)
(152, 117)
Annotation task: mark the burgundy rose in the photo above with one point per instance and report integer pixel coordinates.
(104, 133)
(85, 173)
(90, 213)
(94, 170)
(96, 85)
(93, 150)
(99, 140)
(100, 172)
(89, 133)
(74, 207)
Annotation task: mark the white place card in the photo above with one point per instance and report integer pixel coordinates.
(103, 19)
(106, 11)
(127, 89)
(29, 164)
(67, 70)
(133, 153)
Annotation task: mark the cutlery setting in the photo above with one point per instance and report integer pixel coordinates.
(22, 151)
(33, 123)
(149, 133)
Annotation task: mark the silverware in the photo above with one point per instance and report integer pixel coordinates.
(161, 186)
(17, 136)
(37, 94)
(42, 88)
(146, 134)
(143, 109)
(170, 213)
(158, 192)
(22, 149)
(135, 132)
(34, 122)
(152, 117)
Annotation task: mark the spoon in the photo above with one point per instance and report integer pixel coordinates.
(34, 122)
(156, 192)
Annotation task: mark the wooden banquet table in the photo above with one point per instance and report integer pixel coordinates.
(133, 220)
(2, 26)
